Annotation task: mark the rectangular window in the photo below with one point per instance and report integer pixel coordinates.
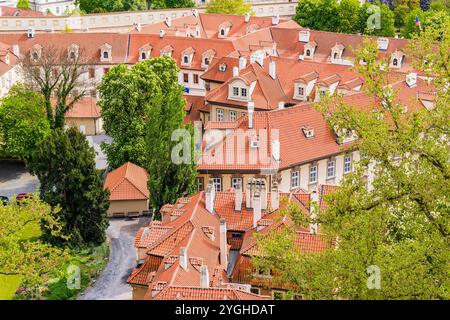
(236, 183)
(200, 184)
(236, 235)
(196, 78)
(331, 169)
(233, 115)
(347, 164)
(295, 179)
(219, 114)
(300, 91)
(217, 182)
(243, 114)
(186, 77)
(235, 91)
(91, 73)
(255, 290)
(313, 174)
(244, 92)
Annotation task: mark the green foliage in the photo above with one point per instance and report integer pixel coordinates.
(23, 122)
(434, 18)
(399, 220)
(402, 8)
(65, 166)
(229, 7)
(23, 4)
(99, 6)
(24, 254)
(165, 4)
(346, 16)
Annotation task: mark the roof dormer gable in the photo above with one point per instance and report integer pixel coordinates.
(397, 59)
(309, 49)
(207, 57)
(224, 29)
(36, 52)
(106, 53)
(167, 51)
(145, 51)
(337, 51)
(73, 51)
(187, 56)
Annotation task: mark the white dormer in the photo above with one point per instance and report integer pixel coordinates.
(309, 49)
(73, 51)
(304, 86)
(106, 53)
(145, 51)
(166, 51)
(275, 19)
(187, 56)
(258, 56)
(207, 57)
(168, 22)
(308, 132)
(303, 36)
(382, 43)
(247, 17)
(36, 52)
(239, 90)
(337, 52)
(397, 59)
(411, 80)
(224, 29)
(31, 33)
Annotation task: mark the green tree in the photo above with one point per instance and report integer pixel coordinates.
(22, 253)
(229, 7)
(23, 122)
(399, 221)
(65, 166)
(348, 16)
(163, 4)
(97, 6)
(23, 4)
(410, 27)
(401, 10)
(320, 15)
(385, 28)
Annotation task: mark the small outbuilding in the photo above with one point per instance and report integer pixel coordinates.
(129, 193)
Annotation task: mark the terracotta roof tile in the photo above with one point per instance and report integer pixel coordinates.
(128, 182)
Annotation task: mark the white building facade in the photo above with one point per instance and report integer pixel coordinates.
(56, 7)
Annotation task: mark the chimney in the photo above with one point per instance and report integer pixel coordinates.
(210, 197)
(168, 21)
(183, 259)
(16, 50)
(263, 195)
(276, 19)
(195, 12)
(223, 244)
(138, 27)
(273, 70)
(162, 33)
(235, 71)
(251, 110)
(256, 209)
(238, 199)
(314, 203)
(30, 33)
(247, 17)
(276, 150)
(204, 277)
(275, 197)
(248, 191)
(242, 63)
(281, 105)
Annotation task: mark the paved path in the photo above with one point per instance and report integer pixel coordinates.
(15, 179)
(111, 285)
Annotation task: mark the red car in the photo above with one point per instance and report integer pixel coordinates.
(22, 197)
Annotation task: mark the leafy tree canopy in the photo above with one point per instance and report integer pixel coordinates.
(229, 7)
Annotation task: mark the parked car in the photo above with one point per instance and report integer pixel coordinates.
(21, 198)
(4, 200)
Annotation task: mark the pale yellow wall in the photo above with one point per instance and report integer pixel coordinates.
(139, 292)
(127, 206)
(226, 112)
(89, 124)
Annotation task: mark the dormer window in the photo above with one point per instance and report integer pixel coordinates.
(222, 32)
(244, 92)
(207, 57)
(308, 53)
(395, 62)
(337, 51)
(309, 49)
(223, 67)
(186, 60)
(224, 29)
(106, 53)
(239, 90)
(397, 59)
(236, 91)
(73, 52)
(301, 91)
(308, 132)
(206, 61)
(35, 52)
(145, 52)
(143, 56)
(187, 56)
(167, 51)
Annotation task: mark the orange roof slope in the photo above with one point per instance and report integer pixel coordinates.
(128, 182)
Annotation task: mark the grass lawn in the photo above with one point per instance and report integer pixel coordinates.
(11, 283)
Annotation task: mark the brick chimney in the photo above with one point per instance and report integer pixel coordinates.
(223, 244)
(204, 277)
(183, 259)
(238, 199)
(256, 209)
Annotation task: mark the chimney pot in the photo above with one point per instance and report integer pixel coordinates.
(162, 33)
(275, 198)
(247, 17)
(210, 196)
(242, 63)
(238, 199)
(275, 19)
(223, 244)
(256, 209)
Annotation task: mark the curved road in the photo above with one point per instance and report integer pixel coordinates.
(112, 282)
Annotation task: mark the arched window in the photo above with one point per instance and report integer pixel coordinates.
(35, 56)
(72, 55)
(206, 62)
(143, 56)
(308, 53)
(105, 55)
(222, 32)
(186, 59)
(335, 55)
(395, 62)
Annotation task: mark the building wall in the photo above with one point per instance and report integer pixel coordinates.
(193, 89)
(126, 206)
(138, 292)
(89, 124)
(8, 79)
(240, 112)
(126, 19)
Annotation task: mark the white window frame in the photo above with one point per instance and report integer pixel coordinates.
(235, 182)
(233, 115)
(217, 183)
(236, 91)
(220, 114)
(295, 176)
(313, 174)
(331, 167)
(244, 92)
(348, 164)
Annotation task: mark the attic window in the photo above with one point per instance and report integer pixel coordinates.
(223, 68)
(222, 32)
(206, 61)
(105, 55)
(308, 53)
(395, 62)
(35, 56)
(185, 59)
(72, 55)
(308, 132)
(143, 56)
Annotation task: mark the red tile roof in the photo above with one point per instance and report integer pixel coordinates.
(195, 293)
(128, 182)
(15, 12)
(86, 107)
